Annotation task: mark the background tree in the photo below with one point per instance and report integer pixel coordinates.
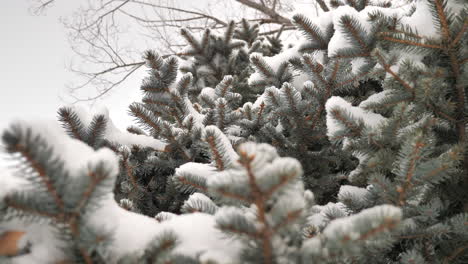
(108, 37)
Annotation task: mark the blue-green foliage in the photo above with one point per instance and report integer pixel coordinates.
(56, 196)
(369, 160)
(416, 158)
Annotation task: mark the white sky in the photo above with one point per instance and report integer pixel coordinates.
(33, 54)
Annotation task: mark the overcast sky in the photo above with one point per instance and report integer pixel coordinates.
(33, 54)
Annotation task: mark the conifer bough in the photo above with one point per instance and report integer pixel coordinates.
(347, 147)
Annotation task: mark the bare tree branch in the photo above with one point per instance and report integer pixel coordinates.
(109, 36)
(41, 6)
(267, 11)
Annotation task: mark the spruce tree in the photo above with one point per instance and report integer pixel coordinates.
(415, 157)
(348, 147)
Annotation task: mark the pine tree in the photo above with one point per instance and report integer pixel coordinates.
(258, 198)
(415, 157)
(214, 56)
(291, 115)
(349, 147)
(56, 196)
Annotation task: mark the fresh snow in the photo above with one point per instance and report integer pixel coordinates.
(113, 134)
(132, 231)
(375, 98)
(275, 61)
(422, 20)
(339, 40)
(349, 225)
(199, 169)
(347, 191)
(370, 119)
(208, 92)
(229, 154)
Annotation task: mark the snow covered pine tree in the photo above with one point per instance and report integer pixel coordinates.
(368, 115)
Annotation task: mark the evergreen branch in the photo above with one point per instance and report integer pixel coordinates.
(71, 122)
(443, 20)
(358, 55)
(399, 120)
(229, 32)
(191, 40)
(183, 84)
(424, 235)
(232, 229)
(455, 254)
(386, 225)
(139, 113)
(179, 104)
(389, 70)
(261, 65)
(436, 171)
(153, 60)
(355, 130)
(23, 208)
(410, 172)
(460, 34)
(259, 199)
(411, 43)
(442, 114)
(409, 34)
(459, 87)
(290, 98)
(129, 172)
(245, 160)
(36, 166)
(206, 37)
(95, 181)
(170, 136)
(217, 156)
(385, 193)
(135, 130)
(62, 217)
(272, 97)
(259, 115)
(347, 22)
(96, 129)
(357, 77)
(163, 243)
(113, 146)
(223, 87)
(336, 67)
(87, 258)
(310, 29)
(176, 117)
(371, 139)
(290, 217)
(207, 100)
(227, 194)
(283, 180)
(185, 181)
(316, 69)
(72, 219)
